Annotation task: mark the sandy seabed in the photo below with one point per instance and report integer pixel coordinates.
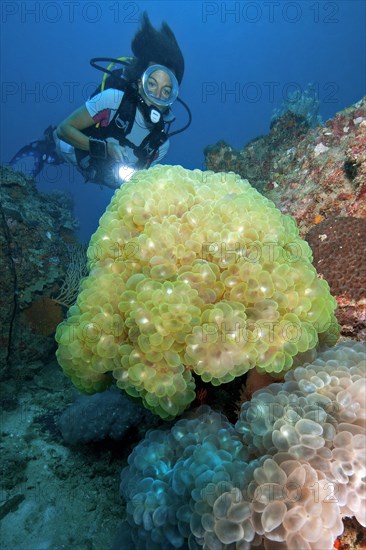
(53, 496)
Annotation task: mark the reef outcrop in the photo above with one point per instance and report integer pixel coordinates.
(309, 173)
(36, 230)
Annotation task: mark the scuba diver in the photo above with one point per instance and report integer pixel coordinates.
(124, 126)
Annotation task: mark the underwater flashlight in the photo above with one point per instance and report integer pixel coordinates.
(125, 172)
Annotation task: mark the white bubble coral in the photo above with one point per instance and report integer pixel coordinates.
(295, 505)
(318, 415)
(191, 272)
(199, 485)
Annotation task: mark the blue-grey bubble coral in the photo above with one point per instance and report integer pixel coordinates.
(175, 477)
(282, 478)
(191, 272)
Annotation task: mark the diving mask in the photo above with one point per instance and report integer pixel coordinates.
(160, 85)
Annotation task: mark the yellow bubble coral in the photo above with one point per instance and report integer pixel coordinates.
(191, 272)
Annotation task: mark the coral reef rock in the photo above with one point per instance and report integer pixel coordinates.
(339, 249)
(35, 232)
(308, 173)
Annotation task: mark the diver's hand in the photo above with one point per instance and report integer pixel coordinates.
(115, 151)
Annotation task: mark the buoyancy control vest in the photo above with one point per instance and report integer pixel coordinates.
(121, 125)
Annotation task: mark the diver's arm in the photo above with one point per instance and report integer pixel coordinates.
(69, 130)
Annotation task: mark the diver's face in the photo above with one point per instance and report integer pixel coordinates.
(159, 86)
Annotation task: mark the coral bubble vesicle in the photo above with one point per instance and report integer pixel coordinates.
(191, 273)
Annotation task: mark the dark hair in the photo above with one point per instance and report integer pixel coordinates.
(152, 46)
